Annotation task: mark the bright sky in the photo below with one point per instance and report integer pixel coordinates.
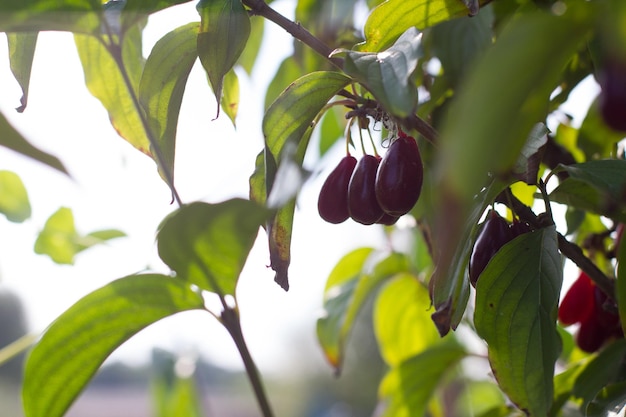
(115, 186)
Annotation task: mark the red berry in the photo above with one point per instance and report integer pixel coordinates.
(578, 304)
(494, 234)
(333, 199)
(590, 336)
(400, 176)
(362, 203)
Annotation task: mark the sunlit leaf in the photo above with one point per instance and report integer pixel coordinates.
(291, 114)
(484, 129)
(348, 287)
(60, 240)
(408, 387)
(163, 84)
(116, 84)
(288, 71)
(12, 139)
(389, 74)
(136, 10)
(72, 349)
(402, 319)
(14, 202)
(208, 244)
(224, 32)
(595, 186)
(479, 398)
(516, 307)
(21, 53)
(392, 18)
(249, 55)
(80, 16)
(230, 96)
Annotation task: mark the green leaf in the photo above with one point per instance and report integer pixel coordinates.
(484, 130)
(459, 42)
(72, 349)
(402, 319)
(480, 399)
(595, 186)
(595, 138)
(620, 287)
(224, 31)
(21, 53)
(80, 16)
(230, 97)
(516, 307)
(137, 10)
(12, 139)
(449, 284)
(610, 401)
(60, 240)
(408, 387)
(392, 18)
(208, 244)
(248, 57)
(348, 287)
(163, 84)
(291, 114)
(563, 386)
(115, 82)
(14, 202)
(605, 368)
(389, 75)
(288, 71)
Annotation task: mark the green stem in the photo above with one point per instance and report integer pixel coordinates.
(230, 320)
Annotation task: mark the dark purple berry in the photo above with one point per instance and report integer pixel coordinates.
(362, 203)
(494, 234)
(612, 79)
(400, 176)
(333, 199)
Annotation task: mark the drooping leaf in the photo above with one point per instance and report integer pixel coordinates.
(230, 96)
(163, 84)
(72, 349)
(402, 319)
(21, 54)
(408, 387)
(348, 287)
(473, 144)
(224, 32)
(208, 244)
(392, 18)
(116, 84)
(60, 240)
(14, 202)
(516, 308)
(79, 16)
(12, 139)
(389, 75)
(596, 186)
(600, 371)
(449, 285)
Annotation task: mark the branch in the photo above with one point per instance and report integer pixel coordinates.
(567, 248)
(260, 8)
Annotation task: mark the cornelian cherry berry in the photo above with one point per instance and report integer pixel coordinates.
(578, 304)
(399, 178)
(332, 204)
(494, 234)
(362, 203)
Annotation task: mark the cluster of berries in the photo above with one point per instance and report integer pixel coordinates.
(495, 232)
(586, 304)
(374, 189)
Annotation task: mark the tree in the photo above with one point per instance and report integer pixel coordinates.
(468, 98)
